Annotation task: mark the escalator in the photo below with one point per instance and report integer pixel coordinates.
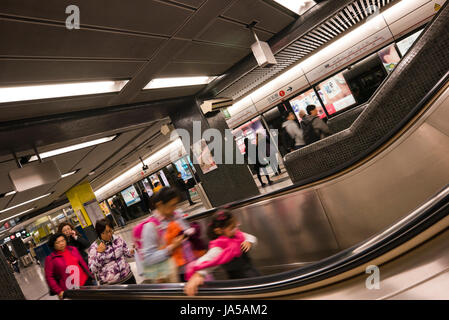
(317, 238)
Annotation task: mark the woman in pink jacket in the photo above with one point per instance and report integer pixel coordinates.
(64, 267)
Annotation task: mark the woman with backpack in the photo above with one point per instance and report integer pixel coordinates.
(162, 249)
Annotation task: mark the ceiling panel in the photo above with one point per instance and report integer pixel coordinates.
(186, 69)
(31, 109)
(16, 71)
(29, 194)
(204, 52)
(167, 93)
(142, 15)
(233, 34)
(191, 3)
(69, 161)
(5, 183)
(268, 18)
(44, 40)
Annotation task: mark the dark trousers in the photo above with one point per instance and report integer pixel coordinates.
(188, 196)
(257, 169)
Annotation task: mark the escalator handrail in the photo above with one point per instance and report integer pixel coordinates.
(412, 225)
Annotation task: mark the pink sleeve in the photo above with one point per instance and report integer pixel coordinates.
(50, 277)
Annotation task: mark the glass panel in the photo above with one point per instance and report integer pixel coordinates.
(335, 93)
(405, 44)
(301, 102)
(183, 168)
(248, 130)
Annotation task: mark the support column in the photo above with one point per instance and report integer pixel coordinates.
(86, 207)
(229, 182)
(10, 289)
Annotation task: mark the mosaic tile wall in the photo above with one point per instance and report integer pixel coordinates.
(417, 73)
(10, 289)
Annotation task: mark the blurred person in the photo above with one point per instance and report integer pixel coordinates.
(182, 187)
(157, 187)
(107, 256)
(228, 248)
(117, 215)
(294, 131)
(253, 160)
(313, 127)
(162, 250)
(31, 247)
(74, 239)
(57, 266)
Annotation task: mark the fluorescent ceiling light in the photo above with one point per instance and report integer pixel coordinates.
(26, 202)
(10, 193)
(177, 82)
(16, 215)
(46, 91)
(68, 174)
(53, 153)
(297, 6)
(128, 175)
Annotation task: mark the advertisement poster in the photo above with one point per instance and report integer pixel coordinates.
(81, 219)
(335, 93)
(147, 186)
(183, 168)
(204, 156)
(104, 208)
(248, 130)
(130, 196)
(390, 58)
(301, 102)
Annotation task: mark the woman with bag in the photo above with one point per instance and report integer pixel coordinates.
(162, 249)
(107, 256)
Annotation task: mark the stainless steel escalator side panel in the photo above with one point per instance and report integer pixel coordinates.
(379, 193)
(290, 229)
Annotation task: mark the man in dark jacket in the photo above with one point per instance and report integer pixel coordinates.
(314, 128)
(182, 187)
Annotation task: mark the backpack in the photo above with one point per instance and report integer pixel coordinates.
(287, 140)
(309, 132)
(137, 232)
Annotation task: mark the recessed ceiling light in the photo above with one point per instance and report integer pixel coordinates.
(26, 202)
(297, 6)
(178, 82)
(91, 173)
(46, 91)
(16, 215)
(10, 193)
(68, 174)
(72, 148)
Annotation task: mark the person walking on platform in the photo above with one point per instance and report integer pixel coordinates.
(64, 262)
(182, 187)
(74, 239)
(107, 256)
(294, 131)
(314, 128)
(252, 157)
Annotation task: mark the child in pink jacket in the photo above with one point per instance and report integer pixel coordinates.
(228, 249)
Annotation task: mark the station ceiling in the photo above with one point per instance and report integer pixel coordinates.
(136, 40)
